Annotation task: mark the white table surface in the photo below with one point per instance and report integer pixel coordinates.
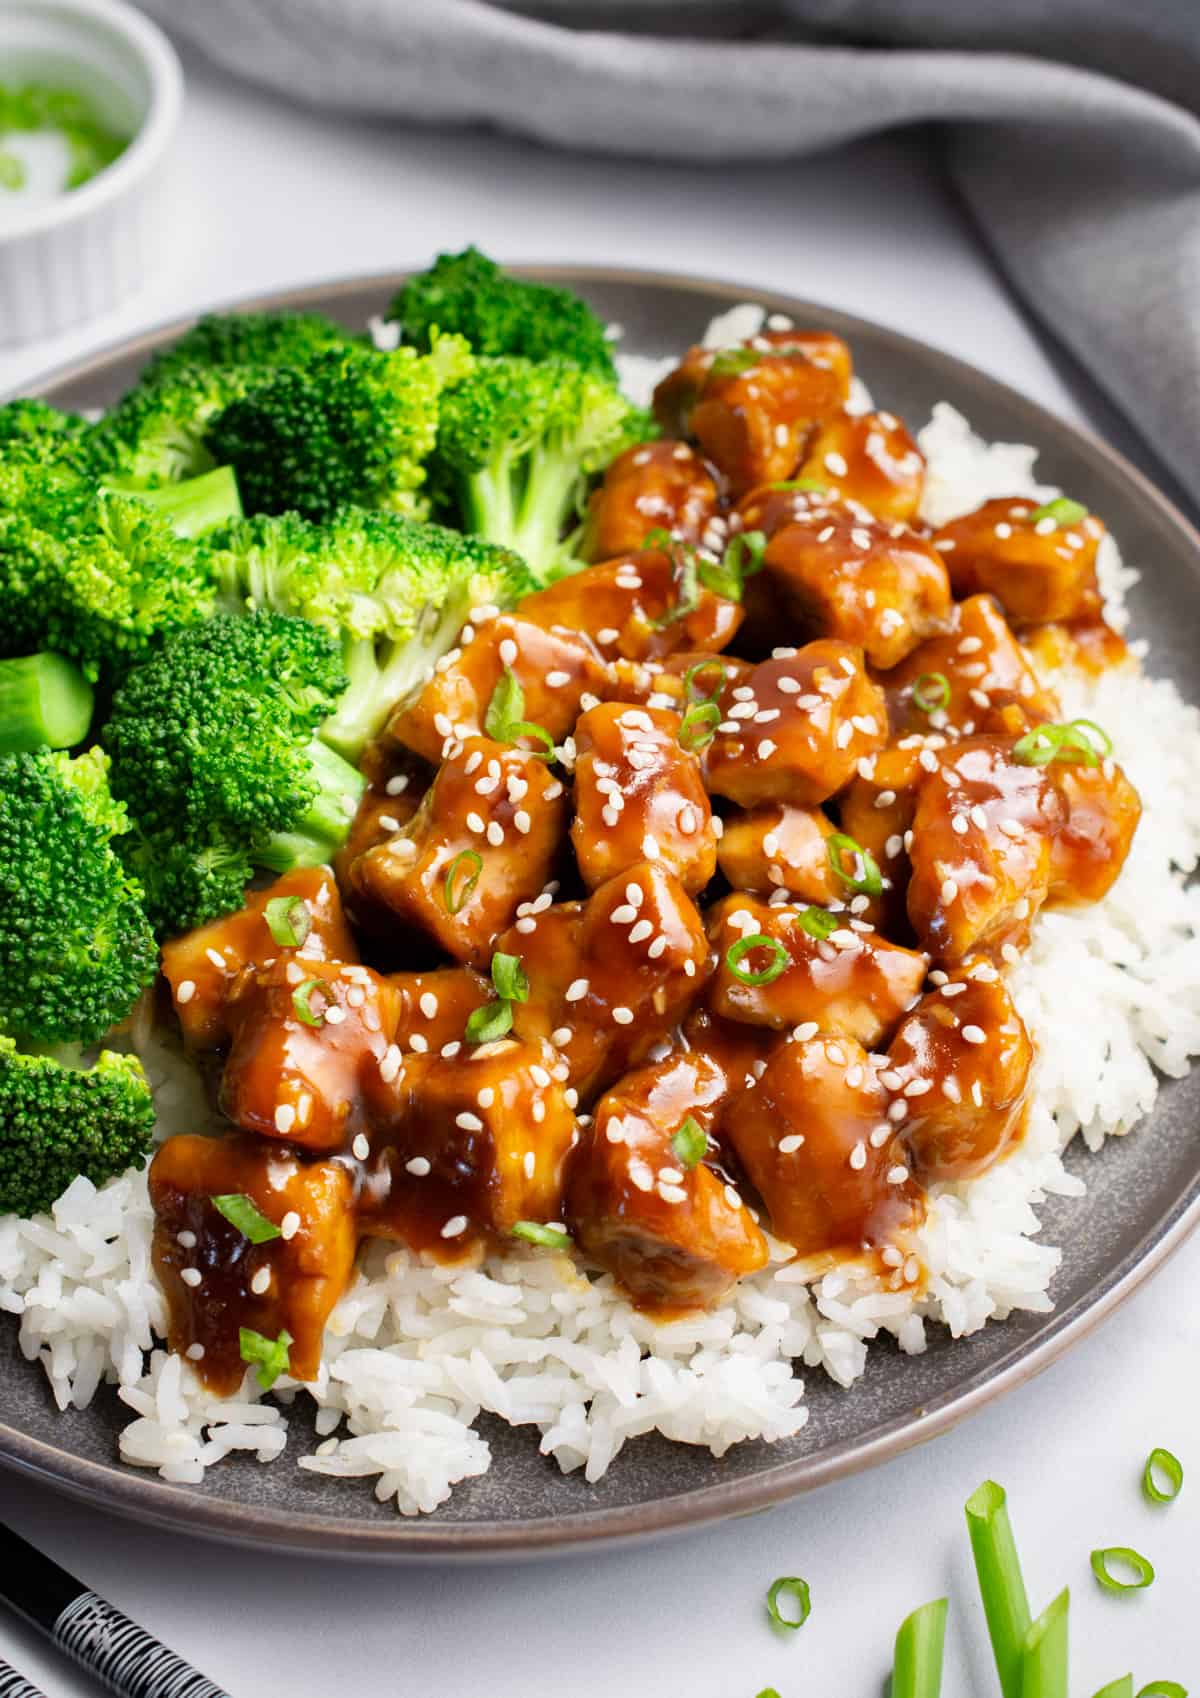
(270, 196)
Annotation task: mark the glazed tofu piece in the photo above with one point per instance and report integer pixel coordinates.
(490, 827)
(641, 606)
(643, 1202)
(814, 1139)
(201, 966)
(610, 977)
(960, 1064)
(877, 809)
(1038, 568)
(780, 847)
(679, 681)
(738, 1051)
(980, 850)
(1093, 840)
(835, 573)
(653, 486)
(553, 669)
(432, 1009)
(304, 1032)
(289, 1283)
(850, 981)
(957, 681)
(870, 458)
(639, 795)
(467, 1147)
(753, 408)
(798, 729)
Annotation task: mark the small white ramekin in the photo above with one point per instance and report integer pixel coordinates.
(78, 255)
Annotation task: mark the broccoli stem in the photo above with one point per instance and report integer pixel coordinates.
(197, 504)
(45, 703)
(383, 674)
(547, 501)
(325, 825)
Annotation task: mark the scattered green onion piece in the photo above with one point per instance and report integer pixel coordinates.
(732, 362)
(1070, 742)
(289, 920)
(690, 1143)
(242, 1211)
(1105, 741)
(301, 1001)
(1166, 1462)
(489, 1022)
(699, 727)
(271, 1354)
(1045, 1657)
(1122, 1687)
(687, 594)
(931, 692)
(917, 1660)
(768, 1692)
(507, 705)
(510, 978)
(1143, 1569)
(744, 556)
(1162, 1689)
(766, 975)
(818, 923)
(455, 896)
(1062, 510)
(812, 485)
(526, 728)
(550, 1237)
(795, 1590)
(690, 676)
(1001, 1586)
(870, 881)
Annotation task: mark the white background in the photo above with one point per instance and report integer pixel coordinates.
(269, 196)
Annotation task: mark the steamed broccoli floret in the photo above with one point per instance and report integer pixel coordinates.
(92, 574)
(155, 434)
(76, 950)
(213, 753)
(34, 433)
(394, 591)
(498, 314)
(58, 1121)
(253, 339)
(350, 426)
(517, 442)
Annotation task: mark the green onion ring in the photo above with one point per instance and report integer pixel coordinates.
(1122, 1687)
(550, 1237)
(690, 1143)
(510, 978)
(244, 1213)
(288, 920)
(867, 883)
(690, 685)
(1070, 742)
(789, 1586)
(767, 975)
(1062, 510)
(454, 899)
(921, 697)
(818, 923)
(706, 716)
(744, 556)
(301, 1001)
(1163, 1689)
(491, 1020)
(526, 728)
(1169, 1464)
(811, 485)
(271, 1354)
(1142, 1567)
(732, 362)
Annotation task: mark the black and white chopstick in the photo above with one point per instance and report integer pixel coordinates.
(116, 1651)
(14, 1685)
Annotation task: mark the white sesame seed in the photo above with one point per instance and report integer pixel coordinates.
(958, 824)
(195, 1352)
(187, 1240)
(186, 991)
(361, 1147)
(949, 891)
(897, 1175)
(974, 1035)
(455, 1226)
(289, 1226)
(191, 1276)
(419, 1166)
(789, 1145)
(261, 1281)
(468, 1121)
(732, 1197)
(836, 463)
(216, 958)
(858, 1156)
(285, 1117)
(576, 990)
(334, 1015)
(656, 948)
(641, 1175)
(624, 914)
(428, 1004)
(622, 1015)
(418, 1043)
(952, 1090)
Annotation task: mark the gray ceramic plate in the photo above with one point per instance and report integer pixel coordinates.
(1144, 1191)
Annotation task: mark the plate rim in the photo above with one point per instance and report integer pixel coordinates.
(145, 1498)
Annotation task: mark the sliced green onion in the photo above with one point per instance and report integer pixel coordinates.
(690, 1143)
(931, 692)
(741, 560)
(1120, 1688)
(1143, 1569)
(699, 727)
(687, 593)
(1062, 510)
(510, 978)
(241, 1211)
(998, 1569)
(812, 485)
(780, 962)
(551, 1237)
(1164, 1462)
(768, 1692)
(1045, 1656)
(1070, 742)
(868, 882)
(1163, 1689)
(490, 1021)
(288, 920)
(818, 923)
(271, 1354)
(917, 1660)
(506, 706)
(527, 728)
(453, 894)
(732, 362)
(690, 676)
(795, 1590)
(302, 1001)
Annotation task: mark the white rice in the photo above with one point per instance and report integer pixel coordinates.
(414, 1352)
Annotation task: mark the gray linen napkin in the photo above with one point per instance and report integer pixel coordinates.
(1071, 126)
